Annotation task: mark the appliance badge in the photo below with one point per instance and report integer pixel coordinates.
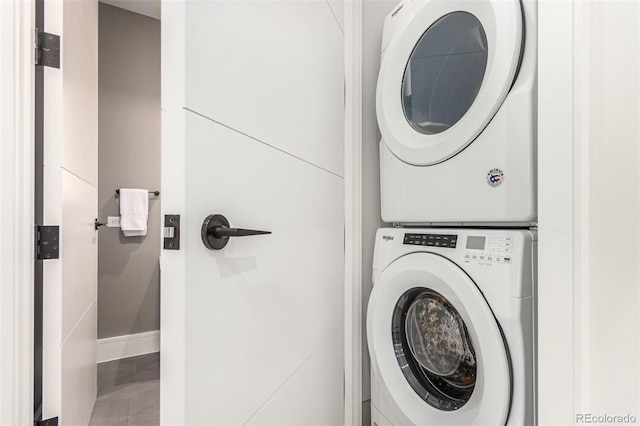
(387, 237)
(495, 177)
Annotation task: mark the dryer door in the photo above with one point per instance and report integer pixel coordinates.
(445, 75)
(436, 345)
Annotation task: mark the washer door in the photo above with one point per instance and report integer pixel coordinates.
(436, 346)
(445, 75)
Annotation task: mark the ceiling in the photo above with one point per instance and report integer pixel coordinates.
(149, 8)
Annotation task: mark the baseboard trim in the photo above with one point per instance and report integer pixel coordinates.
(129, 345)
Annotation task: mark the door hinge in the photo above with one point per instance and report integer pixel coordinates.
(171, 232)
(49, 422)
(47, 242)
(47, 49)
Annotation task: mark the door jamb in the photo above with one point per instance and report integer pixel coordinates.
(17, 211)
(563, 263)
(353, 214)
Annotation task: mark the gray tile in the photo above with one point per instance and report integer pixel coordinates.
(148, 388)
(146, 375)
(115, 378)
(146, 403)
(153, 356)
(109, 421)
(127, 390)
(115, 391)
(112, 407)
(148, 362)
(149, 366)
(125, 365)
(128, 387)
(144, 421)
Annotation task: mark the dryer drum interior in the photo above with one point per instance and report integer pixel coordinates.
(433, 348)
(444, 73)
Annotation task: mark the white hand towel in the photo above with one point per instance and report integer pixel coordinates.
(134, 211)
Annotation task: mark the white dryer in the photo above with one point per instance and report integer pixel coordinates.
(456, 107)
(450, 327)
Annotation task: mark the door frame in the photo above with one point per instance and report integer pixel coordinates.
(563, 262)
(17, 106)
(353, 309)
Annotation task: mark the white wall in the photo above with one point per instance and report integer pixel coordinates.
(589, 192)
(612, 175)
(16, 210)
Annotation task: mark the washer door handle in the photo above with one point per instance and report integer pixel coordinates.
(216, 232)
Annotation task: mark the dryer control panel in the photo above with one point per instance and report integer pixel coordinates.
(433, 240)
(488, 250)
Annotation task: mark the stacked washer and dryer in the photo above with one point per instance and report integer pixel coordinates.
(450, 322)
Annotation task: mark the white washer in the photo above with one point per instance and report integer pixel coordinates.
(456, 107)
(450, 327)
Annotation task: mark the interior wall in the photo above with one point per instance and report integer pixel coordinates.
(611, 174)
(588, 293)
(373, 14)
(129, 157)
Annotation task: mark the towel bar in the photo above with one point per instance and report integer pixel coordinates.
(150, 192)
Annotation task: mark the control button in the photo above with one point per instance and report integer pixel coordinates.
(490, 258)
(474, 257)
(466, 256)
(507, 249)
(507, 260)
(481, 257)
(498, 260)
(508, 239)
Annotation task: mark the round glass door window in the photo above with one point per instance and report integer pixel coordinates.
(444, 73)
(433, 348)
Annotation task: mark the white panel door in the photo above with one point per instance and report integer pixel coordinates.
(70, 189)
(253, 129)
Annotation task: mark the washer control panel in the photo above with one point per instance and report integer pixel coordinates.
(488, 250)
(433, 240)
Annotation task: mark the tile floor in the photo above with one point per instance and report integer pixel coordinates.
(128, 392)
